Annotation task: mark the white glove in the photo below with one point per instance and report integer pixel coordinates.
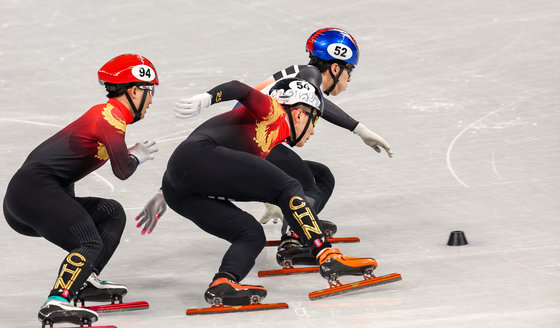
(151, 213)
(189, 107)
(372, 139)
(143, 150)
(272, 212)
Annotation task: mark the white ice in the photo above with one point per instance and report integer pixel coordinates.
(467, 92)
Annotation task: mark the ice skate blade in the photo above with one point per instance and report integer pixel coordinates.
(346, 288)
(86, 327)
(100, 297)
(48, 325)
(332, 240)
(237, 308)
(287, 271)
(119, 307)
(72, 317)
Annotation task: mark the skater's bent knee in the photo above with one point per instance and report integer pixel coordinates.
(110, 209)
(252, 232)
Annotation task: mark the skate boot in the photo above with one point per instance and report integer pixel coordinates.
(97, 290)
(328, 227)
(58, 309)
(333, 264)
(224, 291)
(292, 252)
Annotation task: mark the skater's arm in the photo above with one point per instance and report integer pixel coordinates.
(229, 91)
(189, 107)
(112, 139)
(335, 115)
(253, 100)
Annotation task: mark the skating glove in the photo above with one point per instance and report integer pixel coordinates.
(143, 151)
(189, 107)
(272, 212)
(151, 213)
(372, 139)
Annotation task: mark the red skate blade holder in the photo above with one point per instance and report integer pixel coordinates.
(287, 271)
(346, 288)
(119, 307)
(237, 308)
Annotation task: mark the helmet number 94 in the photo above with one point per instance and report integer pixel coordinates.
(340, 51)
(143, 73)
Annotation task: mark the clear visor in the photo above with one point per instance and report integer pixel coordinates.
(152, 88)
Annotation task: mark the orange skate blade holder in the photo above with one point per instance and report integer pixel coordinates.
(287, 271)
(118, 307)
(333, 240)
(237, 308)
(338, 288)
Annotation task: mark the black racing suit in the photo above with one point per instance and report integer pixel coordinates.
(40, 198)
(223, 160)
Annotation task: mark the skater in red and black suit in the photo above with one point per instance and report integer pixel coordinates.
(334, 54)
(40, 199)
(223, 161)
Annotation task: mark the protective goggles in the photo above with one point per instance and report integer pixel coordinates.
(314, 118)
(152, 88)
(349, 68)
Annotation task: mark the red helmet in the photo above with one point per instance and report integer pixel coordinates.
(128, 68)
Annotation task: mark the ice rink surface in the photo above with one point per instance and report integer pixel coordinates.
(467, 93)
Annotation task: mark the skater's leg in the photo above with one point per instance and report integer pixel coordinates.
(110, 219)
(228, 174)
(38, 201)
(292, 164)
(316, 179)
(223, 219)
(324, 182)
(16, 224)
(201, 169)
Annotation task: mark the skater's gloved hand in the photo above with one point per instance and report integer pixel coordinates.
(272, 212)
(143, 151)
(189, 107)
(372, 139)
(151, 213)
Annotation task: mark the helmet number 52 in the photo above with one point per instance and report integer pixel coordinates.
(339, 51)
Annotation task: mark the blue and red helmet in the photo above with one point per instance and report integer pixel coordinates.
(333, 44)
